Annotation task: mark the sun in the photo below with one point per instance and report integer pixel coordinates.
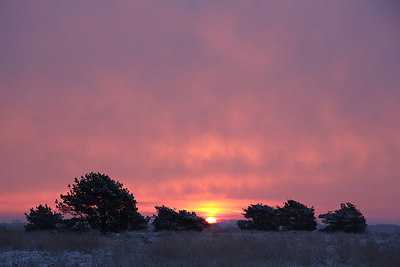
(211, 220)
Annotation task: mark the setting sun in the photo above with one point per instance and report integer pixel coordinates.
(211, 220)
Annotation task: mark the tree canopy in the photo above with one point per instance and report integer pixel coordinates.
(292, 216)
(348, 219)
(170, 219)
(42, 218)
(261, 217)
(102, 203)
(98, 202)
(297, 216)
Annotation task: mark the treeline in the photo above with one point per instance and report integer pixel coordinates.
(98, 202)
(297, 216)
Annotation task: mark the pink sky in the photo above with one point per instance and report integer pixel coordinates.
(203, 105)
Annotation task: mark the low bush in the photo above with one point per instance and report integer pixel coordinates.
(347, 219)
(42, 218)
(170, 219)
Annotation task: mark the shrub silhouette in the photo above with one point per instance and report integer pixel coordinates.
(261, 217)
(297, 216)
(42, 218)
(170, 219)
(347, 219)
(101, 203)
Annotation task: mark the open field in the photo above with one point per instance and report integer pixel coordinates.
(219, 247)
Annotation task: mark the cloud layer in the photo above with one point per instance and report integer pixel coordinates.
(203, 105)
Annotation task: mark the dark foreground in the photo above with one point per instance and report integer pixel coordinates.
(208, 248)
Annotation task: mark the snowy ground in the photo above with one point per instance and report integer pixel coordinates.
(44, 258)
(223, 247)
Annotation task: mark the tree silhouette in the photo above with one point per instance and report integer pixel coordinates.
(170, 219)
(261, 217)
(102, 203)
(42, 218)
(347, 219)
(297, 216)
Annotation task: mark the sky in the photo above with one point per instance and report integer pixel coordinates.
(203, 105)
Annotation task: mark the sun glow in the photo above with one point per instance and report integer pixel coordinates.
(209, 209)
(218, 209)
(211, 220)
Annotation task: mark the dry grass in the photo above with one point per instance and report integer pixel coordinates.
(18, 239)
(208, 248)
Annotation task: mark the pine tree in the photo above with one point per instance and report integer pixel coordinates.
(261, 217)
(297, 216)
(102, 203)
(42, 218)
(347, 219)
(170, 219)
